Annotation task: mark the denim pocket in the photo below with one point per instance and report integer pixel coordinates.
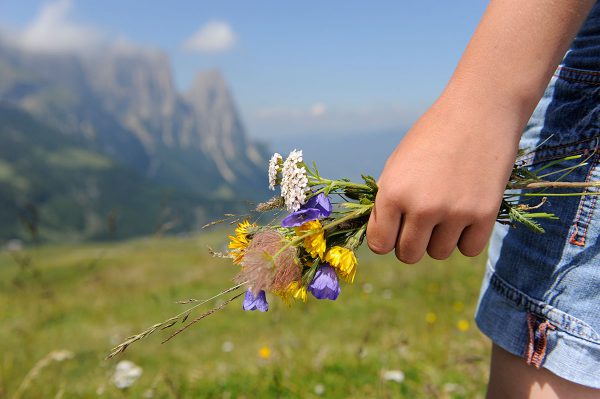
(575, 214)
(587, 204)
(579, 75)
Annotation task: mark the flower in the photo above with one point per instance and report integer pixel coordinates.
(392, 375)
(258, 302)
(294, 182)
(239, 242)
(320, 202)
(274, 163)
(126, 373)
(314, 243)
(317, 207)
(297, 290)
(269, 263)
(264, 352)
(299, 217)
(430, 317)
(344, 260)
(462, 325)
(294, 290)
(325, 284)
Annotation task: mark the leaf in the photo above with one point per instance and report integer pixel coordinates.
(171, 324)
(522, 217)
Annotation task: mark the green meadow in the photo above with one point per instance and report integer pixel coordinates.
(400, 331)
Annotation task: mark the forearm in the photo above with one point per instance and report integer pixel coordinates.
(513, 53)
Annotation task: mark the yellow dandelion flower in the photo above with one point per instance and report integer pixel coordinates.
(462, 325)
(239, 242)
(344, 260)
(264, 352)
(315, 242)
(430, 318)
(458, 306)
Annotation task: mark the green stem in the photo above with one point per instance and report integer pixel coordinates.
(558, 194)
(350, 216)
(551, 184)
(339, 183)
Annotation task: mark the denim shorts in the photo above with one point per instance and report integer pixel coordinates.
(540, 297)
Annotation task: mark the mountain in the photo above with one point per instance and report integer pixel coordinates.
(55, 186)
(118, 108)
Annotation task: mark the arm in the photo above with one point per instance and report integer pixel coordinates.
(442, 186)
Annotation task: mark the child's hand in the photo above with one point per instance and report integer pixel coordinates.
(443, 185)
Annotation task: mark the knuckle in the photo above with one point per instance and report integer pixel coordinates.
(486, 214)
(431, 211)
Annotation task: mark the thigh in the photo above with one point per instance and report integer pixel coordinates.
(512, 378)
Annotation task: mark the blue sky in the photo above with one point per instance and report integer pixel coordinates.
(321, 67)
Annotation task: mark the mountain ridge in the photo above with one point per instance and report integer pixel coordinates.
(122, 106)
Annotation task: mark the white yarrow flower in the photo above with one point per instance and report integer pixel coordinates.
(392, 375)
(274, 170)
(126, 373)
(294, 183)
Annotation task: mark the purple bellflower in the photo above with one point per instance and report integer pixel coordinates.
(317, 207)
(255, 303)
(325, 284)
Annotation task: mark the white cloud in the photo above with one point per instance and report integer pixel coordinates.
(52, 31)
(213, 37)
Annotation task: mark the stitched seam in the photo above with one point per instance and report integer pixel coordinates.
(524, 301)
(575, 80)
(582, 237)
(587, 222)
(579, 71)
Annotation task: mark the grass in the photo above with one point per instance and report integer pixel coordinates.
(87, 298)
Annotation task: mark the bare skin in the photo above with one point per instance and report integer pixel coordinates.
(442, 186)
(511, 378)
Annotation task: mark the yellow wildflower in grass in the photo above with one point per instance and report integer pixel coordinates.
(264, 352)
(344, 260)
(462, 325)
(430, 317)
(458, 306)
(315, 242)
(239, 242)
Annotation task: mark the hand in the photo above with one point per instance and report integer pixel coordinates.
(442, 186)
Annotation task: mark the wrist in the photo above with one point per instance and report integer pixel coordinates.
(495, 97)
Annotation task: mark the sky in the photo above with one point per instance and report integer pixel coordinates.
(295, 68)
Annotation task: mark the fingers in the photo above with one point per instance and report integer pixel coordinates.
(413, 239)
(435, 230)
(444, 239)
(475, 237)
(383, 228)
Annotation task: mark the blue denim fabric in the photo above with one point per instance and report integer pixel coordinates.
(553, 279)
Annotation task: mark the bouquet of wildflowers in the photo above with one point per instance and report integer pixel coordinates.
(312, 250)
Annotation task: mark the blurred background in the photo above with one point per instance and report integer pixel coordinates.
(127, 126)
